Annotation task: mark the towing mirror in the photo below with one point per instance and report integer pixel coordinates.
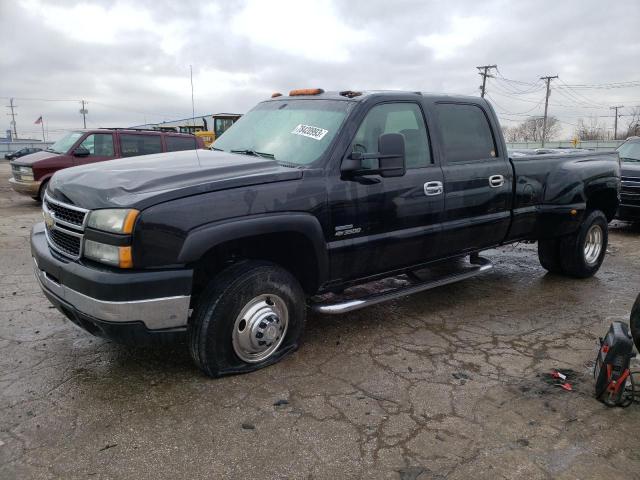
(81, 152)
(390, 156)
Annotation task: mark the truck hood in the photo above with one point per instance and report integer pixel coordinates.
(29, 160)
(139, 182)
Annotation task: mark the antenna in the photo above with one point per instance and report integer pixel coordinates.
(193, 107)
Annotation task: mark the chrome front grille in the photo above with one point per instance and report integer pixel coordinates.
(64, 226)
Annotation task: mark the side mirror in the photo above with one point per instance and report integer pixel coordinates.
(81, 152)
(390, 156)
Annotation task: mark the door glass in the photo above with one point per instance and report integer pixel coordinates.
(175, 144)
(404, 118)
(132, 145)
(99, 144)
(466, 133)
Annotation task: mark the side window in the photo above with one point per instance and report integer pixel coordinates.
(175, 144)
(99, 144)
(132, 145)
(466, 133)
(404, 118)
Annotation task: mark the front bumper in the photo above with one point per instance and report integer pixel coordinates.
(31, 188)
(128, 307)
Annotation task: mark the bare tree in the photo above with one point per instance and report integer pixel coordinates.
(531, 129)
(633, 124)
(511, 134)
(590, 130)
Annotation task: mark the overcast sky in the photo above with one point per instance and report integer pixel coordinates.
(130, 59)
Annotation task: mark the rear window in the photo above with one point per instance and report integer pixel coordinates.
(175, 144)
(132, 145)
(466, 133)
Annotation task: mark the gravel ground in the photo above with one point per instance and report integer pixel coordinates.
(450, 383)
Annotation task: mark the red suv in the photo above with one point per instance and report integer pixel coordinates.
(32, 172)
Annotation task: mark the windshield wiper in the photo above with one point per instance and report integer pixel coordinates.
(253, 153)
(51, 150)
(628, 159)
(217, 149)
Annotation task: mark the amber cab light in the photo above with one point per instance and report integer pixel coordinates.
(305, 91)
(276, 94)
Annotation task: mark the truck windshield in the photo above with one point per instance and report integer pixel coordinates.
(65, 143)
(629, 152)
(293, 132)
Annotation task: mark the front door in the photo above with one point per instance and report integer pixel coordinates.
(381, 224)
(99, 146)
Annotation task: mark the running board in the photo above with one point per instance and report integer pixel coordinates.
(335, 308)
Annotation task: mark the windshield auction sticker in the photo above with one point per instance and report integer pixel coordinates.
(316, 133)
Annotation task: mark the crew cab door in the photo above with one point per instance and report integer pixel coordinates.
(380, 224)
(477, 179)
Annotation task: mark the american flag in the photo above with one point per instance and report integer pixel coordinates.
(39, 120)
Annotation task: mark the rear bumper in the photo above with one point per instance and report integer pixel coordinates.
(31, 188)
(128, 307)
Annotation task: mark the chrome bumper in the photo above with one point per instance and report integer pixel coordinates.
(155, 313)
(26, 187)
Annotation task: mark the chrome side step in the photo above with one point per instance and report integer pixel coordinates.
(334, 308)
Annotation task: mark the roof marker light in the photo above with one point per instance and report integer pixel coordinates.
(305, 91)
(276, 94)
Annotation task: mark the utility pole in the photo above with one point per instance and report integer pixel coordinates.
(13, 117)
(484, 73)
(84, 112)
(546, 105)
(615, 121)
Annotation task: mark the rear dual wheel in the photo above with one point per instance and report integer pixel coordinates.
(249, 316)
(580, 254)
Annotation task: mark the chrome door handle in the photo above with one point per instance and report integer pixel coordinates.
(433, 188)
(496, 181)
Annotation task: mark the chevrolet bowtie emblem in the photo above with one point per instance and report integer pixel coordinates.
(49, 219)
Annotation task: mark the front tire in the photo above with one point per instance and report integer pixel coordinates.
(582, 253)
(250, 316)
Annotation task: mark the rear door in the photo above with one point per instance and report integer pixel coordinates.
(381, 224)
(477, 178)
(100, 147)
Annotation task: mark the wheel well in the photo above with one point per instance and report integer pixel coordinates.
(291, 250)
(604, 200)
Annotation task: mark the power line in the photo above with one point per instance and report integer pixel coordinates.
(484, 73)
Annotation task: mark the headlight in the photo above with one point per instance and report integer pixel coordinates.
(113, 220)
(109, 254)
(26, 173)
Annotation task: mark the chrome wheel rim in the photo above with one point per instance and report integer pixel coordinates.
(260, 328)
(593, 245)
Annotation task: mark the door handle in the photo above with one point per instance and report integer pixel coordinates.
(433, 188)
(496, 181)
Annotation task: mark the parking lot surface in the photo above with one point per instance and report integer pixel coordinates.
(451, 383)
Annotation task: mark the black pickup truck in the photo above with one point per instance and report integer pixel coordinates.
(307, 195)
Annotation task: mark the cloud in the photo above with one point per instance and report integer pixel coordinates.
(130, 60)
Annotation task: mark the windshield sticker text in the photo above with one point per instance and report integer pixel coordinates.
(316, 133)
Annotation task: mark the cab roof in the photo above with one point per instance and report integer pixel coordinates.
(361, 95)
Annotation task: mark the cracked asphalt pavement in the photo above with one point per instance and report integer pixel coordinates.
(451, 383)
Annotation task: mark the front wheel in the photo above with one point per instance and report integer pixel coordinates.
(249, 316)
(582, 253)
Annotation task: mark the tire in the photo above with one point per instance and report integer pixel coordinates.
(549, 255)
(43, 189)
(634, 321)
(249, 316)
(582, 252)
